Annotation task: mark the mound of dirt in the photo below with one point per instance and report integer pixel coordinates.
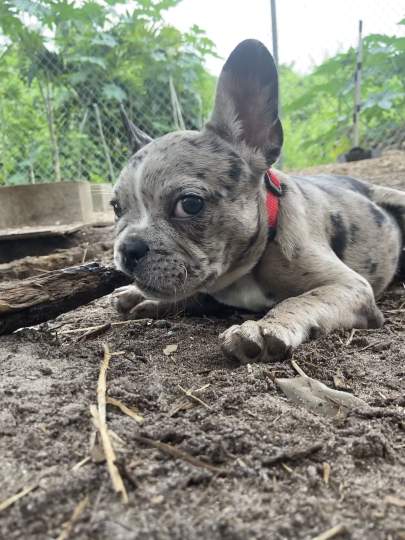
(387, 170)
(266, 467)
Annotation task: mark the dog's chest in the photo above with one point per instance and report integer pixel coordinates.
(245, 293)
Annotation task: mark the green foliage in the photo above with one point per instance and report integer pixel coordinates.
(62, 62)
(318, 108)
(60, 58)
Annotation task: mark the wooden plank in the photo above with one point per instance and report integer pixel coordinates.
(40, 231)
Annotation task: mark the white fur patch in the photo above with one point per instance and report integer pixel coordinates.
(144, 217)
(245, 293)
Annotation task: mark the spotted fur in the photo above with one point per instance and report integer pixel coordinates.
(338, 243)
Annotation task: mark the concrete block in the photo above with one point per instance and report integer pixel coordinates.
(55, 203)
(101, 195)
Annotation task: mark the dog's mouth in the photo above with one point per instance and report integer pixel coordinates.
(173, 294)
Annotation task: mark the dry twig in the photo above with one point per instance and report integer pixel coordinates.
(68, 526)
(93, 332)
(14, 498)
(293, 454)
(81, 463)
(113, 324)
(378, 412)
(350, 339)
(331, 533)
(180, 454)
(190, 395)
(298, 369)
(102, 425)
(126, 410)
(326, 473)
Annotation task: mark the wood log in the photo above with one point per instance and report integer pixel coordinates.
(36, 265)
(42, 298)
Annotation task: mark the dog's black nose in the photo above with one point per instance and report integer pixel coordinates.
(133, 250)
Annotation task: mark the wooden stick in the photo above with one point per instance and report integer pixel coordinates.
(36, 300)
(101, 416)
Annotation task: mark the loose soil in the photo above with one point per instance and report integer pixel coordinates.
(286, 473)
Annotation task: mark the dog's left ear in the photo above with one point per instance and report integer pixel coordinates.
(246, 102)
(136, 137)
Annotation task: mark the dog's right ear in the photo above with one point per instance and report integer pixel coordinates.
(136, 137)
(246, 102)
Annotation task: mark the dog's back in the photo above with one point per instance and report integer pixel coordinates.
(364, 224)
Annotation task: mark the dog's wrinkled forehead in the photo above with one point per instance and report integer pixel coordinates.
(184, 155)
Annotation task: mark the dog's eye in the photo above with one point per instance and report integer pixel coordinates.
(117, 208)
(189, 206)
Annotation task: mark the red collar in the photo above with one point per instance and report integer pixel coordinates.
(274, 192)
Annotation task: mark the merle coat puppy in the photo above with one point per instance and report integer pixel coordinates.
(192, 218)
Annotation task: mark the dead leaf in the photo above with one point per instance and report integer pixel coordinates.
(170, 349)
(318, 397)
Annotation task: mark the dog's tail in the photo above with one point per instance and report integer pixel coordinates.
(393, 201)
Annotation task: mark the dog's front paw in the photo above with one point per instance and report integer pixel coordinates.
(126, 299)
(131, 304)
(255, 341)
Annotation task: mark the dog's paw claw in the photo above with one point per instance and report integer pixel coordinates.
(125, 299)
(253, 342)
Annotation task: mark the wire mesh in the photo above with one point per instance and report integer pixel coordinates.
(63, 92)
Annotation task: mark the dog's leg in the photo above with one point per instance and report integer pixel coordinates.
(131, 304)
(345, 302)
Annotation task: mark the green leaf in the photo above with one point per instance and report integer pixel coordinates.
(106, 40)
(112, 91)
(95, 60)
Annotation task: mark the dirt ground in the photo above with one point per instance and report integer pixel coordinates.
(280, 471)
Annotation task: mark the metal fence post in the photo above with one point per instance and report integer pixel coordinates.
(274, 37)
(357, 89)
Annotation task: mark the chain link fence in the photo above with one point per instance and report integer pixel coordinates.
(69, 78)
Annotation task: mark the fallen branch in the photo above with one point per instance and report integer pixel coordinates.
(39, 299)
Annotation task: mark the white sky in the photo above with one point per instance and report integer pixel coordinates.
(308, 30)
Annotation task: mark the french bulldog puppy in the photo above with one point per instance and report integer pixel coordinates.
(192, 218)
